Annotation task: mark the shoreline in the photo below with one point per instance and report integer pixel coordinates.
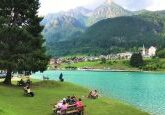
(109, 70)
(108, 97)
(115, 104)
(106, 70)
(116, 70)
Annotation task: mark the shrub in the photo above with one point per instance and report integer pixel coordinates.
(161, 53)
(136, 60)
(150, 67)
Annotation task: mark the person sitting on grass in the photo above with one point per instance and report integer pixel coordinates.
(89, 95)
(28, 91)
(73, 100)
(58, 106)
(80, 106)
(62, 109)
(25, 88)
(93, 94)
(21, 83)
(28, 81)
(68, 100)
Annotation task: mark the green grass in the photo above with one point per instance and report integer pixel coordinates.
(118, 64)
(149, 65)
(12, 101)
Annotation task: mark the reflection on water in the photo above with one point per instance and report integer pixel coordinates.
(144, 90)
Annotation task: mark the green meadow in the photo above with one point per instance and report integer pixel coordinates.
(47, 93)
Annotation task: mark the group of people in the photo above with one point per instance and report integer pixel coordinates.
(71, 101)
(24, 83)
(93, 94)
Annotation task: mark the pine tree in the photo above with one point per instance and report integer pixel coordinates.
(136, 60)
(21, 42)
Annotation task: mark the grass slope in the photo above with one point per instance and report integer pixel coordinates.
(12, 101)
(115, 64)
(154, 64)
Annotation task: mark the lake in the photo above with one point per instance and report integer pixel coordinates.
(141, 89)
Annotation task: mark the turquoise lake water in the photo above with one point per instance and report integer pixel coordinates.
(143, 90)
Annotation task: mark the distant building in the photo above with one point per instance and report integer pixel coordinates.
(52, 61)
(152, 51)
(126, 55)
(147, 53)
(143, 51)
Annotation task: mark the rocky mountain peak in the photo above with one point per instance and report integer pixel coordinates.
(108, 1)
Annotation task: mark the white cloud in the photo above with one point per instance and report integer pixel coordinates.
(152, 5)
(156, 5)
(53, 6)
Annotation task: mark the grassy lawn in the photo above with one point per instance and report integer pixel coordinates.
(12, 101)
(149, 65)
(118, 64)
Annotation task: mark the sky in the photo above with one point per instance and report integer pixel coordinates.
(54, 6)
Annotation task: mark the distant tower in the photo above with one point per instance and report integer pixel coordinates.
(143, 51)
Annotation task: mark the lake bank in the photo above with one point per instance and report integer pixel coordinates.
(108, 70)
(115, 70)
(49, 92)
(153, 65)
(145, 90)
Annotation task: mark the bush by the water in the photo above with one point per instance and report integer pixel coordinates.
(161, 53)
(150, 68)
(154, 64)
(136, 60)
(71, 67)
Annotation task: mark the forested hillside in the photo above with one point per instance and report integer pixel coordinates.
(116, 35)
(63, 26)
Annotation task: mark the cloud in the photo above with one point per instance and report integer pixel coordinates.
(142, 4)
(156, 5)
(53, 6)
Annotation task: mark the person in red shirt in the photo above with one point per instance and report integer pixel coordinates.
(80, 106)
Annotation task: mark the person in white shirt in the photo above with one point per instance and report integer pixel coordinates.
(28, 91)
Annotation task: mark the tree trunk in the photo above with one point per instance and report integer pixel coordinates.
(7, 80)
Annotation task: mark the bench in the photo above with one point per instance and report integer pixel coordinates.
(71, 110)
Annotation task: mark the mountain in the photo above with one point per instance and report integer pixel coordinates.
(107, 29)
(61, 28)
(79, 13)
(116, 35)
(143, 11)
(108, 9)
(161, 13)
(63, 25)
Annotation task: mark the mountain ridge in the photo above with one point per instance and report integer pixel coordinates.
(108, 10)
(77, 22)
(116, 35)
(82, 18)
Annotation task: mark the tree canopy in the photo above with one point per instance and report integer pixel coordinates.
(136, 60)
(113, 36)
(21, 42)
(161, 53)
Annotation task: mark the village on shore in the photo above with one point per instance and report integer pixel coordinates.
(56, 62)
